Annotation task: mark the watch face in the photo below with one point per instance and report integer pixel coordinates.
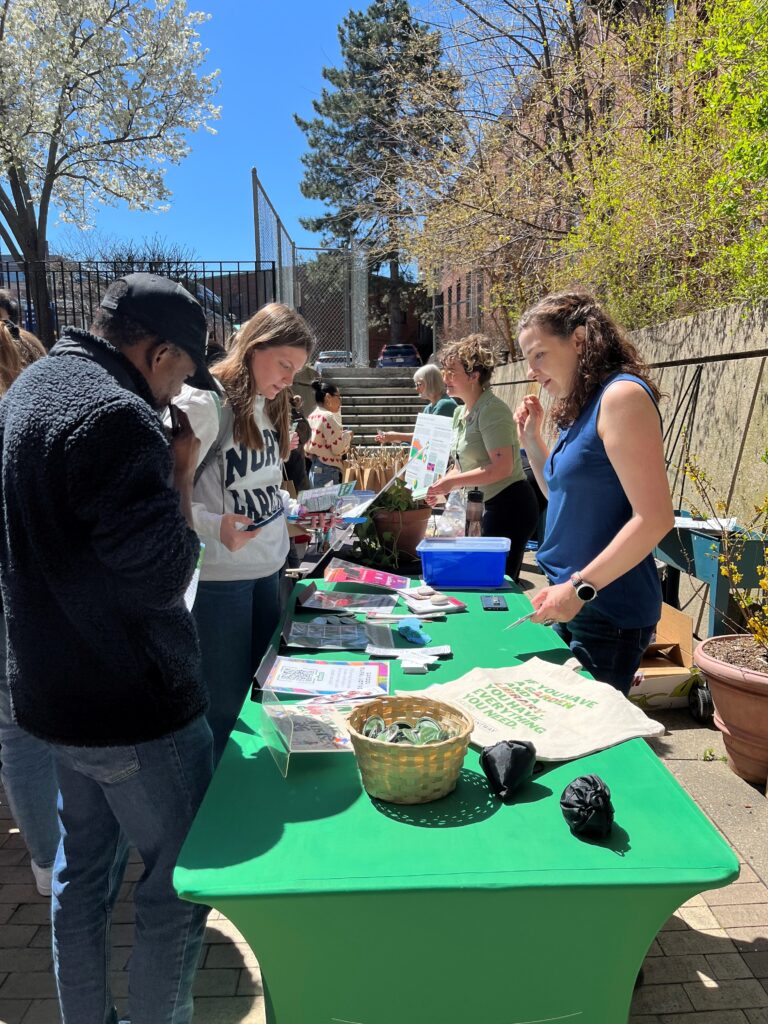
(586, 592)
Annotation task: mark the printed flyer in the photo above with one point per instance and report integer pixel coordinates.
(307, 727)
(563, 714)
(290, 675)
(430, 451)
(319, 499)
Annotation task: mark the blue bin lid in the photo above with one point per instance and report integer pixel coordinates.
(464, 544)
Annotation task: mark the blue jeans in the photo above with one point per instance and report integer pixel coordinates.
(29, 777)
(235, 622)
(148, 793)
(320, 474)
(612, 654)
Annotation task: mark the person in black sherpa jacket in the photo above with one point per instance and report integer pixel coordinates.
(103, 660)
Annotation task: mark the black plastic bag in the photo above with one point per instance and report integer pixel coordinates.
(508, 765)
(586, 806)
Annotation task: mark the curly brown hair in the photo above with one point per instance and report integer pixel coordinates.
(607, 348)
(476, 353)
(274, 324)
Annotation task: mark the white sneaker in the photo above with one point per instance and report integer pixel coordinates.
(43, 878)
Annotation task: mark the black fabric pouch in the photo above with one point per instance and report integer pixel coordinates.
(508, 765)
(586, 806)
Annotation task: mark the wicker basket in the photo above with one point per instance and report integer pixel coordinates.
(402, 773)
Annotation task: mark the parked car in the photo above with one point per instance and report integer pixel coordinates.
(399, 355)
(333, 357)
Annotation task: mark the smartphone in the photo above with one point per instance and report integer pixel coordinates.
(493, 603)
(175, 422)
(262, 522)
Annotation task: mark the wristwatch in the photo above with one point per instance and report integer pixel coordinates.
(584, 591)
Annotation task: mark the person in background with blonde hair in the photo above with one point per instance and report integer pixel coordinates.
(429, 383)
(28, 771)
(244, 439)
(605, 478)
(486, 449)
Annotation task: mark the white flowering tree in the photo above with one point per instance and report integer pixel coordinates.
(97, 99)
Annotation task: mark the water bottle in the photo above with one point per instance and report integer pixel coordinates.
(474, 515)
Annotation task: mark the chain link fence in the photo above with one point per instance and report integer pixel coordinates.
(329, 287)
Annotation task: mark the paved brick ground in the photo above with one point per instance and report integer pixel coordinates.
(228, 986)
(708, 965)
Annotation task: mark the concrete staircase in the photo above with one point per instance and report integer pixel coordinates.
(376, 399)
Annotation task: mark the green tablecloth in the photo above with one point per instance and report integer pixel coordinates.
(461, 910)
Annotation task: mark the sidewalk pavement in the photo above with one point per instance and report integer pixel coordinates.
(708, 964)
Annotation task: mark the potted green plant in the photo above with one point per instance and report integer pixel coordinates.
(397, 523)
(736, 665)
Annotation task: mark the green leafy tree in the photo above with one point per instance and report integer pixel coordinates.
(97, 98)
(675, 221)
(732, 64)
(392, 102)
(539, 81)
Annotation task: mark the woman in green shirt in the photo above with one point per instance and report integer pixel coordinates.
(430, 385)
(486, 447)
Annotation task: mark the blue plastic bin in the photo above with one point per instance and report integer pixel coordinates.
(464, 561)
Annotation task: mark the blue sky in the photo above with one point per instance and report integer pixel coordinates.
(270, 54)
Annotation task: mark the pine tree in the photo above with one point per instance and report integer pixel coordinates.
(390, 102)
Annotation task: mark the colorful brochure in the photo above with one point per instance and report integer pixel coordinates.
(340, 571)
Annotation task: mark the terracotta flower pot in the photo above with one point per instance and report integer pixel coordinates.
(741, 711)
(407, 528)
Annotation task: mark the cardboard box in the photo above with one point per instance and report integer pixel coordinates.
(664, 677)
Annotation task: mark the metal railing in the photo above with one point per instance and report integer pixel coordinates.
(230, 291)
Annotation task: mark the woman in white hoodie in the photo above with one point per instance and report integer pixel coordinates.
(244, 437)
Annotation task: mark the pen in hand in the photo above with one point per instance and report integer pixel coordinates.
(525, 618)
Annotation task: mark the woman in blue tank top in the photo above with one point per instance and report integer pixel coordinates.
(609, 500)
